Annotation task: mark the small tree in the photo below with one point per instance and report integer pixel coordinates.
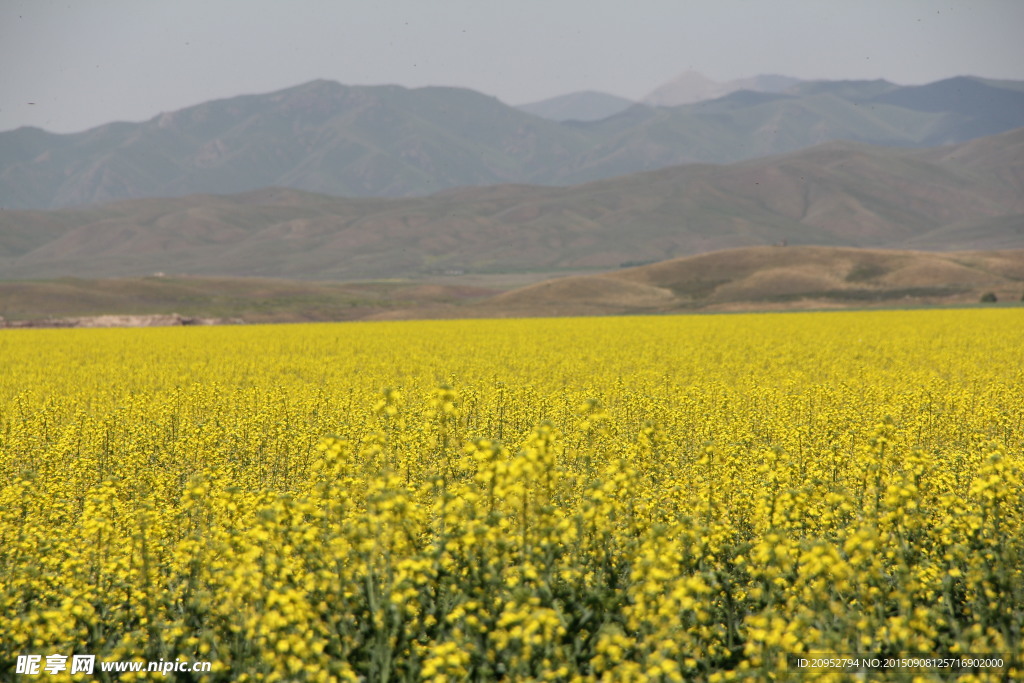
(989, 298)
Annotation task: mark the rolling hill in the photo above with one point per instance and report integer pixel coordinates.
(968, 196)
(389, 141)
(774, 278)
(744, 279)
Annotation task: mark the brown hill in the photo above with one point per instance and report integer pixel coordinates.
(769, 278)
(754, 278)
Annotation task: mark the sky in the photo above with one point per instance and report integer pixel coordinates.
(72, 65)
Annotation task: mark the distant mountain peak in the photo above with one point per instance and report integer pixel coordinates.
(692, 86)
(693, 78)
(586, 105)
(688, 87)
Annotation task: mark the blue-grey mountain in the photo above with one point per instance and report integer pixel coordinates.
(389, 141)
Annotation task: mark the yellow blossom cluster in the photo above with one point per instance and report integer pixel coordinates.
(691, 498)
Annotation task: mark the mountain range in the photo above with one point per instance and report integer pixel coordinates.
(390, 141)
(965, 196)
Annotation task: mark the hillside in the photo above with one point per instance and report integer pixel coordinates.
(969, 196)
(744, 279)
(170, 301)
(389, 141)
(774, 278)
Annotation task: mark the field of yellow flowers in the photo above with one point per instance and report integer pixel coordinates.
(618, 499)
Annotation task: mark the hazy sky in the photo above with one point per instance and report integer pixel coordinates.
(67, 66)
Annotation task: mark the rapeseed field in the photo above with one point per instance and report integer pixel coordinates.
(621, 499)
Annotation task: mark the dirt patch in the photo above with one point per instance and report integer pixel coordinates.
(168, 320)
